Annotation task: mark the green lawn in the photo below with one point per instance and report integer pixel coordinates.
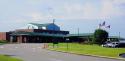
(3, 42)
(8, 58)
(88, 49)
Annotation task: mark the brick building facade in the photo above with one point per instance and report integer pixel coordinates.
(5, 35)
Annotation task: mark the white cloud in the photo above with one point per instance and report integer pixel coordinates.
(107, 9)
(36, 16)
(34, 2)
(76, 11)
(119, 1)
(72, 10)
(88, 10)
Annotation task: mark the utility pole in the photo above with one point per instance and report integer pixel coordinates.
(78, 31)
(119, 35)
(54, 41)
(67, 40)
(78, 36)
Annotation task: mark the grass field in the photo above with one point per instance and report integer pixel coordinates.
(8, 58)
(88, 49)
(3, 42)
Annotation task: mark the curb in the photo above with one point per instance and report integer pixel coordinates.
(89, 55)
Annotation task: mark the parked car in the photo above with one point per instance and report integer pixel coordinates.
(114, 44)
(120, 45)
(111, 44)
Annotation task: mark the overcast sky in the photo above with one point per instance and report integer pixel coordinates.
(69, 14)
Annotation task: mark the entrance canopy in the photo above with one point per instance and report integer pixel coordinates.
(36, 34)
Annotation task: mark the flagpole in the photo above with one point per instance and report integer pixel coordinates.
(53, 21)
(99, 26)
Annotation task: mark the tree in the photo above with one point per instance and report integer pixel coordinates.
(100, 36)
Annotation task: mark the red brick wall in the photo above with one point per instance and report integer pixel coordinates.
(5, 35)
(25, 30)
(2, 35)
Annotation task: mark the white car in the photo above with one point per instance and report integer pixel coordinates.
(112, 44)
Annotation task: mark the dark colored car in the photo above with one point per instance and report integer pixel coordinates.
(120, 45)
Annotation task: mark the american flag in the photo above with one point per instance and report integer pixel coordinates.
(103, 24)
(108, 26)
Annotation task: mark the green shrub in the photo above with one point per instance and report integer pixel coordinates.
(100, 36)
(3, 41)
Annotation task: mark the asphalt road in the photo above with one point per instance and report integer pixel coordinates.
(34, 52)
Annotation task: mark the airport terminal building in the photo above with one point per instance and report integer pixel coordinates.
(35, 33)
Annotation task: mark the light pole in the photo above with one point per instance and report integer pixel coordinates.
(119, 36)
(67, 40)
(54, 41)
(78, 31)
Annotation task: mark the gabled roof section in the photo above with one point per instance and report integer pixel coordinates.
(41, 25)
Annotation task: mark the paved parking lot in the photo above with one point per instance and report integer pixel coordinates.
(34, 52)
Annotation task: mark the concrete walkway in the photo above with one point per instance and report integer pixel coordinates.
(34, 52)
